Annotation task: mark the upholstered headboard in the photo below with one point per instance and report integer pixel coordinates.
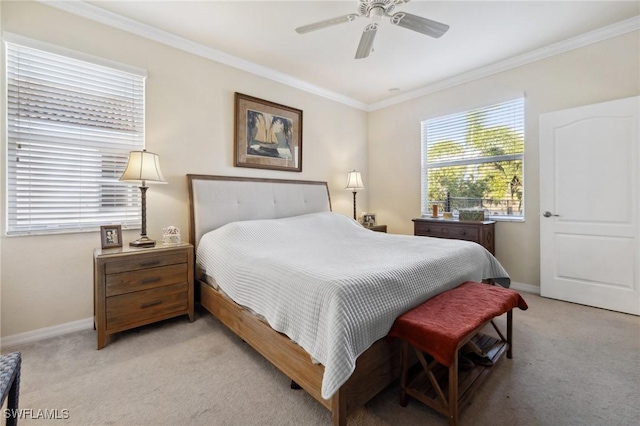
(217, 200)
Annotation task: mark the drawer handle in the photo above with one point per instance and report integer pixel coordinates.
(152, 263)
(150, 280)
(427, 230)
(150, 304)
(463, 232)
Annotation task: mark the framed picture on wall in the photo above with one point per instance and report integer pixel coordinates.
(267, 135)
(111, 236)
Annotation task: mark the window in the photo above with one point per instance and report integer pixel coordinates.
(474, 160)
(70, 127)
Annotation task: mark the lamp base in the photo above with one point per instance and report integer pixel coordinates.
(143, 241)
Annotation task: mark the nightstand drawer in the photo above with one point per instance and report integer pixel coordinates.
(127, 282)
(127, 309)
(151, 260)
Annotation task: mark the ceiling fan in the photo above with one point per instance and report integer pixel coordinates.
(375, 10)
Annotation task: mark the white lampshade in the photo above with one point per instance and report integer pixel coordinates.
(143, 166)
(354, 181)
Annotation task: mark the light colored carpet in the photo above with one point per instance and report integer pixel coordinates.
(572, 365)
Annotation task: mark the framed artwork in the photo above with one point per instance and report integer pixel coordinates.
(111, 236)
(267, 135)
(369, 219)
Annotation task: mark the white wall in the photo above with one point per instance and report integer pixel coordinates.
(47, 280)
(600, 72)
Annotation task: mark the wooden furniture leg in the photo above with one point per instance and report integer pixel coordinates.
(339, 407)
(509, 334)
(403, 377)
(453, 392)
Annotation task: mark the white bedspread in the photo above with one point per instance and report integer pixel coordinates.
(332, 286)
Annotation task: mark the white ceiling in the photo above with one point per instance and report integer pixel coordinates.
(482, 33)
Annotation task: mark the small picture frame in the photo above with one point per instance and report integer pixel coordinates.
(369, 219)
(111, 236)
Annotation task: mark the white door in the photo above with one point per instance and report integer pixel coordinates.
(589, 218)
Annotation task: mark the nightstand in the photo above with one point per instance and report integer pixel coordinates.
(139, 286)
(377, 228)
(479, 232)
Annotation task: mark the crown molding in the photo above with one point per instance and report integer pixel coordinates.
(572, 43)
(95, 13)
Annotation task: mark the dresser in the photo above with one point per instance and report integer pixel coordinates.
(482, 233)
(138, 286)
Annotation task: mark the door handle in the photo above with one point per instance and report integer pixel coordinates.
(549, 214)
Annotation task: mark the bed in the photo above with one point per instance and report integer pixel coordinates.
(236, 222)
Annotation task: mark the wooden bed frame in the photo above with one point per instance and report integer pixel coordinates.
(375, 369)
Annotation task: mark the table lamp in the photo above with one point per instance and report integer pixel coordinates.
(143, 167)
(354, 183)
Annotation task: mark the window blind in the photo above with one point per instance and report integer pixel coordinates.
(474, 159)
(70, 127)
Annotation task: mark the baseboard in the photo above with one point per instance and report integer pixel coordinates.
(528, 288)
(45, 333)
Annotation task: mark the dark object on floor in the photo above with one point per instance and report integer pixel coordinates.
(10, 385)
(465, 363)
(479, 359)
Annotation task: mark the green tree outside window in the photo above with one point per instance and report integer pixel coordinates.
(475, 160)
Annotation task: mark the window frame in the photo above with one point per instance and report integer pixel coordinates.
(425, 203)
(127, 202)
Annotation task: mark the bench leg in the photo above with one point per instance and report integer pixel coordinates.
(510, 334)
(403, 375)
(453, 391)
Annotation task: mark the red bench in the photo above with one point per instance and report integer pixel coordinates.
(440, 327)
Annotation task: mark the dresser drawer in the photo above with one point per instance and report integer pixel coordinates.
(423, 229)
(431, 230)
(478, 232)
(447, 231)
(464, 233)
(145, 261)
(125, 310)
(127, 282)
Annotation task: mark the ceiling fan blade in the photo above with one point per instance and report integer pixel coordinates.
(327, 23)
(366, 41)
(419, 24)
